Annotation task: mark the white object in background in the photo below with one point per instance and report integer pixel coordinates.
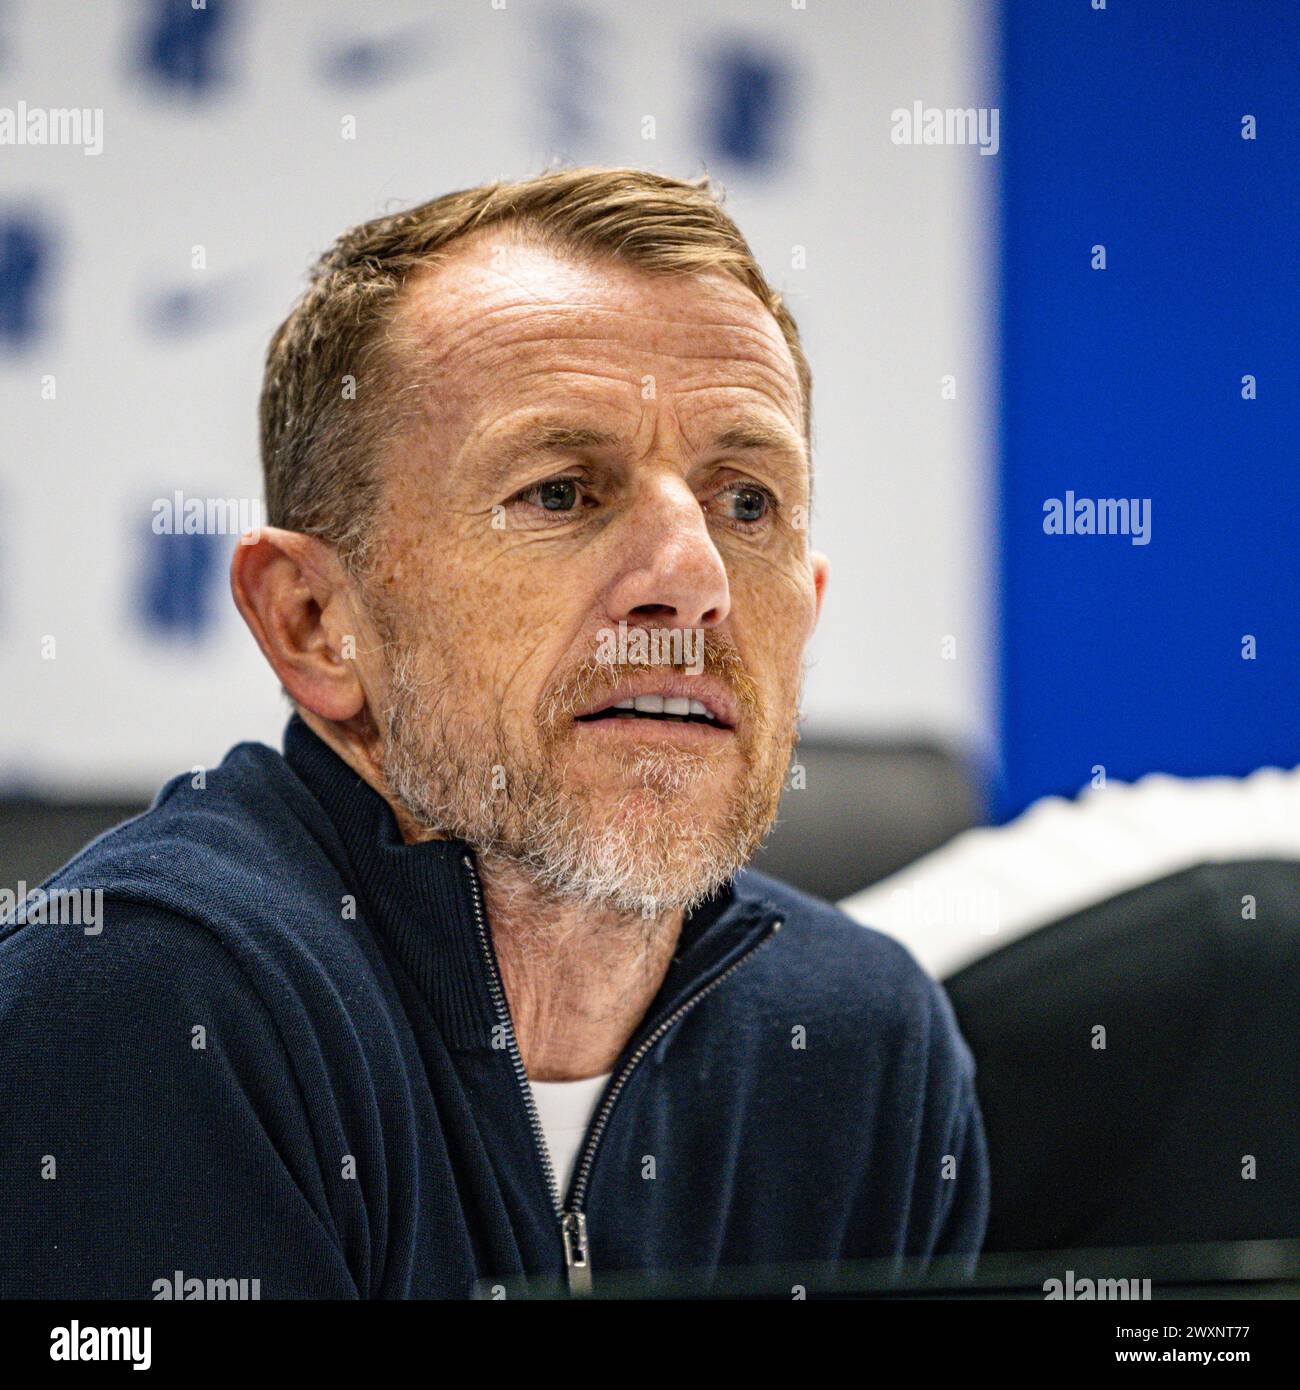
(992, 885)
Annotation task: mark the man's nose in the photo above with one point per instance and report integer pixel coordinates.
(672, 572)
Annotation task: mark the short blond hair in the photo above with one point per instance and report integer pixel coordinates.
(331, 393)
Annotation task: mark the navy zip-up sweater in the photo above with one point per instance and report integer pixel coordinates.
(287, 1056)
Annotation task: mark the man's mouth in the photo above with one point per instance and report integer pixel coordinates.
(674, 707)
(669, 700)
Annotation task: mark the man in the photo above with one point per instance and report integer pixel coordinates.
(472, 984)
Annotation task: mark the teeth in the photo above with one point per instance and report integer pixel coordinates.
(677, 705)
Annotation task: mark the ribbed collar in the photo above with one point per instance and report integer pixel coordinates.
(424, 900)
(420, 898)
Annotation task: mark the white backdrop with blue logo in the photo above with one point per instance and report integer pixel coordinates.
(139, 286)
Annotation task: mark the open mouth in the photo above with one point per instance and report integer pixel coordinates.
(668, 708)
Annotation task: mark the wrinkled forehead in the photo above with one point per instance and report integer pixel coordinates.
(505, 322)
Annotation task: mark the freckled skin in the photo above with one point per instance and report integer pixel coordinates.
(508, 335)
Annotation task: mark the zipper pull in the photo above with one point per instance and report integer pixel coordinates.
(577, 1254)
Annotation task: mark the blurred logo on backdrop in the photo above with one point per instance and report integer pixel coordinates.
(185, 45)
(373, 59)
(750, 97)
(26, 259)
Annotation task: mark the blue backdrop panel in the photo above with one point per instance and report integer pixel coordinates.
(1123, 128)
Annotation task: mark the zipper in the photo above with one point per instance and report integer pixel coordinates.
(499, 1002)
(587, 1157)
(573, 1221)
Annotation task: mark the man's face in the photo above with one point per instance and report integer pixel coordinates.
(602, 451)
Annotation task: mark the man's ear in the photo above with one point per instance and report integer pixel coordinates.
(821, 568)
(297, 601)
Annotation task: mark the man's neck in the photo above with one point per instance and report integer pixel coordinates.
(578, 980)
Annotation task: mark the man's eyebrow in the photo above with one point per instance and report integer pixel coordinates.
(759, 435)
(541, 439)
(549, 439)
(506, 455)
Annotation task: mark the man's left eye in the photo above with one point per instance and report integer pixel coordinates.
(554, 495)
(747, 503)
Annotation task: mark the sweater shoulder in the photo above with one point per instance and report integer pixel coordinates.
(848, 952)
(219, 907)
(213, 844)
(200, 897)
(126, 962)
(855, 981)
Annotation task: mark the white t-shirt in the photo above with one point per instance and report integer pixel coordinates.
(565, 1109)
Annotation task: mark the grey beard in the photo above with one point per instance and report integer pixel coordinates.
(643, 856)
